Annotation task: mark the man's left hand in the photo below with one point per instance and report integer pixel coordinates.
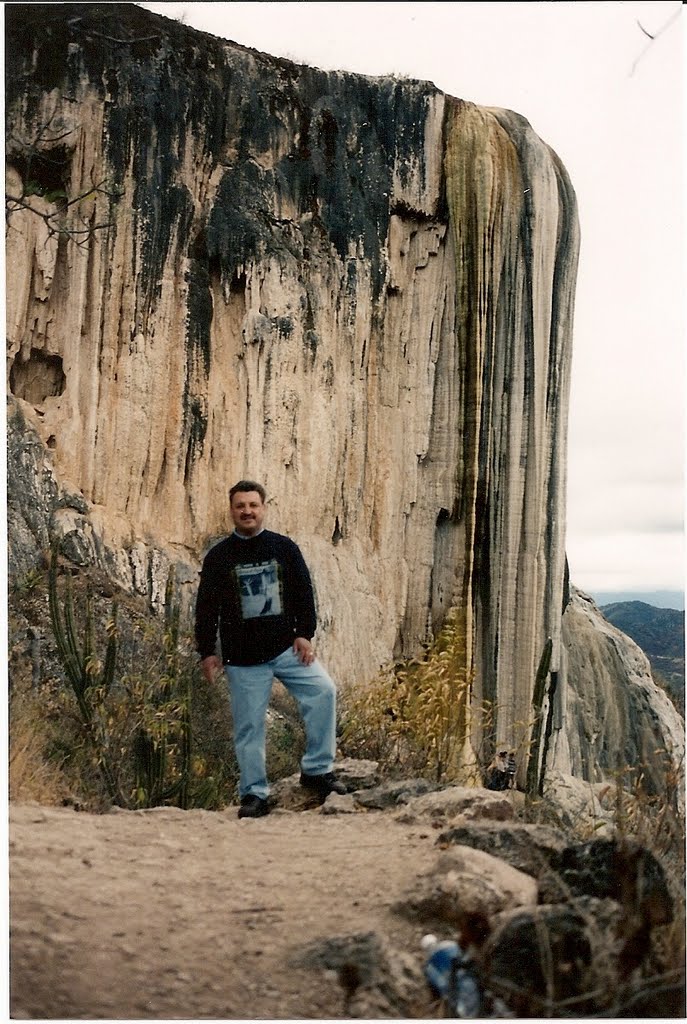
(303, 650)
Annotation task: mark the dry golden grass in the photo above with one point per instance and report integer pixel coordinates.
(32, 776)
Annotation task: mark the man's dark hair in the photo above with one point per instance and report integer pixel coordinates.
(247, 485)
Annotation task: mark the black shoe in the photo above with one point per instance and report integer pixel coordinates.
(253, 806)
(323, 785)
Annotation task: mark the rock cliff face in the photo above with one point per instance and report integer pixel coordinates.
(612, 720)
(357, 290)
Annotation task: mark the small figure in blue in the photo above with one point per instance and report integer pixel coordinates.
(450, 977)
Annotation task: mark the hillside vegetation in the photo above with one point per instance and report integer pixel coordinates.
(660, 632)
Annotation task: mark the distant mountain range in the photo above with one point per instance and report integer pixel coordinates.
(660, 632)
(657, 598)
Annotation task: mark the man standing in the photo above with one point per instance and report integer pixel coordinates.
(255, 588)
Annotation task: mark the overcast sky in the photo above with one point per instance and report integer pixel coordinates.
(609, 102)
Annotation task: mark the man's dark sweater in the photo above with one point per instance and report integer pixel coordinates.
(257, 592)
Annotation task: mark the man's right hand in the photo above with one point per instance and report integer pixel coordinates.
(211, 666)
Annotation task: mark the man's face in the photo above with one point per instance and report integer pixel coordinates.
(248, 512)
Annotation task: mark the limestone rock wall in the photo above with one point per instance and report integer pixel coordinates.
(357, 290)
(610, 718)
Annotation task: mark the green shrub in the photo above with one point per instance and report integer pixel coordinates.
(136, 728)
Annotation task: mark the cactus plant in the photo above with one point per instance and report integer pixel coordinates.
(156, 703)
(167, 725)
(86, 674)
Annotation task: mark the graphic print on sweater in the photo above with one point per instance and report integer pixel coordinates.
(260, 589)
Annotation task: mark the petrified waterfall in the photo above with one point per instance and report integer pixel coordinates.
(513, 219)
(357, 290)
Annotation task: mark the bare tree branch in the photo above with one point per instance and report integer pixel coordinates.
(54, 220)
(41, 138)
(654, 37)
(33, 146)
(644, 30)
(39, 152)
(77, 22)
(124, 42)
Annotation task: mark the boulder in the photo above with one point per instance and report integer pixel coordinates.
(581, 805)
(337, 803)
(529, 848)
(464, 887)
(620, 869)
(356, 774)
(467, 802)
(394, 793)
(610, 717)
(553, 961)
(377, 979)
(289, 795)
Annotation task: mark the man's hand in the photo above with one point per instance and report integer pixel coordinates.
(211, 666)
(303, 650)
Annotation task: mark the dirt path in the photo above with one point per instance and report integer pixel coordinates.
(171, 914)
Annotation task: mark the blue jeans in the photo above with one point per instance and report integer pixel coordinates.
(250, 687)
